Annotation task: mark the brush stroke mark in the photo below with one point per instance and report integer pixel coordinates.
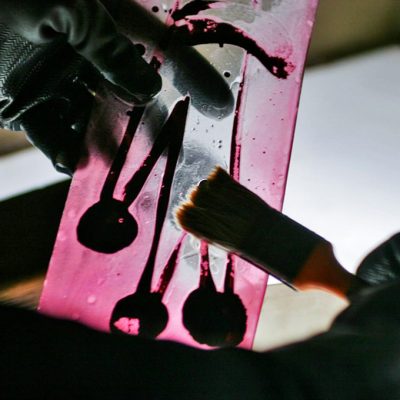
(169, 269)
(229, 275)
(192, 8)
(234, 163)
(213, 318)
(143, 311)
(206, 31)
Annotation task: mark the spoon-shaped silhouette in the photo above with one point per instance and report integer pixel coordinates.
(108, 226)
(143, 312)
(144, 306)
(211, 317)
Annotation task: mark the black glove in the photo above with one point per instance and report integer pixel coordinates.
(382, 265)
(48, 54)
(358, 358)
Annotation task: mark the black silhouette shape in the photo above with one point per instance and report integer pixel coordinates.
(146, 307)
(143, 305)
(107, 226)
(211, 317)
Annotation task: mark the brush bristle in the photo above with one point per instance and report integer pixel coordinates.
(25, 293)
(221, 211)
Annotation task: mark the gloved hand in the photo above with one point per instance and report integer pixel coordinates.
(52, 56)
(382, 265)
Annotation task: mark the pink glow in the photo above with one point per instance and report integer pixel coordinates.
(85, 285)
(127, 325)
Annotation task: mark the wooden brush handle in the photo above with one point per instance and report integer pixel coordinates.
(296, 255)
(323, 271)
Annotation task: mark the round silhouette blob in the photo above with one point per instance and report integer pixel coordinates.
(107, 227)
(145, 309)
(215, 319)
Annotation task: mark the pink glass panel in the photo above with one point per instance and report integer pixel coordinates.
(256, 50)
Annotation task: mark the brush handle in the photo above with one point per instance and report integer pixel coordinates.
(322, 270)
(296, 255)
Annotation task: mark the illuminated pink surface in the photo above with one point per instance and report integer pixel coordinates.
(85, 285)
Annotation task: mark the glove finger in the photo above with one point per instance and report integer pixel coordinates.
(91, 31)
(49, 130)
(383, 263)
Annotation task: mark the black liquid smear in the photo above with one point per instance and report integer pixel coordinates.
(205, 31)
(107, 226)
(119, 160)
(174, 128)
(166, 138)
(229, 275)
(192, 8)
(114, 172)
(169, 269)
(234, 164)
(143, 306)
(213, 318)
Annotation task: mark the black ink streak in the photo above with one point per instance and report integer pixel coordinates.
(174, 128)
(213, 318)
(107, 226)
(169, 270)
(145, 306)
(234, 165)
(192, 8)
(204, 31)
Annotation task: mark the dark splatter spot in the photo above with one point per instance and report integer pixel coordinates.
(215, 319)
(107, 227)
(146, 309)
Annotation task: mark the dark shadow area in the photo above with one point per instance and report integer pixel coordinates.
(29, 225)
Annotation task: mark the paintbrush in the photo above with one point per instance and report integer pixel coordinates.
(225, 213)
